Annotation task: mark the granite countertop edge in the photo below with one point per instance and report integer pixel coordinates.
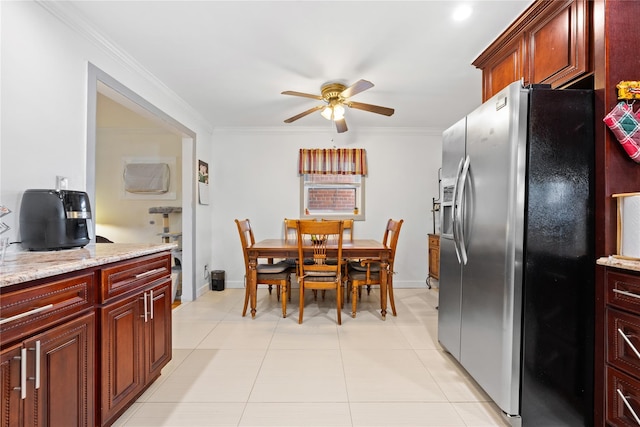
(625, 264)
(25, 266)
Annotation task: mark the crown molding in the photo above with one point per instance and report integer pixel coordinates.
(70, 16)
(422, 131)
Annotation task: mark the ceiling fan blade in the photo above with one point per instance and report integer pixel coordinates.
(305, 95)
(357, 87)
(371, 108)
(304, 113)
(341, 125)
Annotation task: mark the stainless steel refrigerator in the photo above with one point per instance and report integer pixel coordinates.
(516, 288)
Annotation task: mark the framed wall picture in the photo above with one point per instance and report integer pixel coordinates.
(203, 182)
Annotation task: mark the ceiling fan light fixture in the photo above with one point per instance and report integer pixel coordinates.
(338, 112)
(327, 113)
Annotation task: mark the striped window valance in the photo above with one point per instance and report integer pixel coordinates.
(335, 161)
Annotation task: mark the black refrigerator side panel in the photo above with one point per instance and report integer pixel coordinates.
(558, 312)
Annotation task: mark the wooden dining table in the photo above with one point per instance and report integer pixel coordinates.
(351, 249)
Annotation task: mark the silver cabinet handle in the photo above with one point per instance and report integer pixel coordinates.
(148, 273)
(23, 373)
(629, 343)
(25, 314)
(37, 364)
(151, 302)
(627, 293)
(144, 297)
(628, 405)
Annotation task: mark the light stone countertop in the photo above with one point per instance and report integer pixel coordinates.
(626, 264)
(19, 267)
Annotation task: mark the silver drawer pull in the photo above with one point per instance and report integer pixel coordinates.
(627, 293)
(629, 343)
(154, 271)
(628, 405)
(25, 314)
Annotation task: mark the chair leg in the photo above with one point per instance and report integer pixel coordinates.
(284, 300)
(391, 300)
(246, 301)
(301, 304)
(339, 291)
(270, 289)
(354, 299)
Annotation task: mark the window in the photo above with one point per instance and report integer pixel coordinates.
(332, 196)
(332, 183)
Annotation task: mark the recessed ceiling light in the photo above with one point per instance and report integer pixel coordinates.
(462, 12)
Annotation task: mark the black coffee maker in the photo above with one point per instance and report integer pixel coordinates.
(55, 219)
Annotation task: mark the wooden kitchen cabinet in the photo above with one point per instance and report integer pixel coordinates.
(623, 347)
(135, 326)
(434, 256)
(547, 44)
(47, 360)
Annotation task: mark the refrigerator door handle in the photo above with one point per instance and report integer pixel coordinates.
(454, 216)
(459, 209)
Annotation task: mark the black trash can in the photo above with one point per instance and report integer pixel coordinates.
(217, 280)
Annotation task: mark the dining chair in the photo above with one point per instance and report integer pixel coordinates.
(275, 274)
(315, 237)
(366, 272)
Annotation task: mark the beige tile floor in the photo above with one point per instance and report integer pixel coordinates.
(229, 370)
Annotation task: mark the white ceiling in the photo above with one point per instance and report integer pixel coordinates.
(231, 59)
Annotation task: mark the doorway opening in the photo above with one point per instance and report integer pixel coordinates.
(165, 142)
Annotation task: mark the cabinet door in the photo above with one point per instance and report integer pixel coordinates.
(158, 329)
(559, 44)
(10, 376)
(121, 352)
(61, 375)
(506, 67)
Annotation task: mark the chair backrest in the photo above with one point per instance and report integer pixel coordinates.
(347, 227)
(290, 230)
(390, 239)
(319, 235)
(246, 240)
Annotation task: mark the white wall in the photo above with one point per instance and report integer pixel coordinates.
(254, 175)
(44, 96)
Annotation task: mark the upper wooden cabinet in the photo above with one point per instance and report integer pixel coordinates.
(548, 43)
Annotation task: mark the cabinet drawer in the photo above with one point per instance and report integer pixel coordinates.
(31, 308)
(623, 399)
(434, 241)
(126, 276)
(623, 290)
(623, 341)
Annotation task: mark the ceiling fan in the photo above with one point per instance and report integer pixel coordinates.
(336, 97)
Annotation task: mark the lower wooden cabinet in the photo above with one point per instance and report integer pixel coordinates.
(48, 379)
(434, 256)
(623, 348)
(135, 330)
(77, 349)
(623, 399)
